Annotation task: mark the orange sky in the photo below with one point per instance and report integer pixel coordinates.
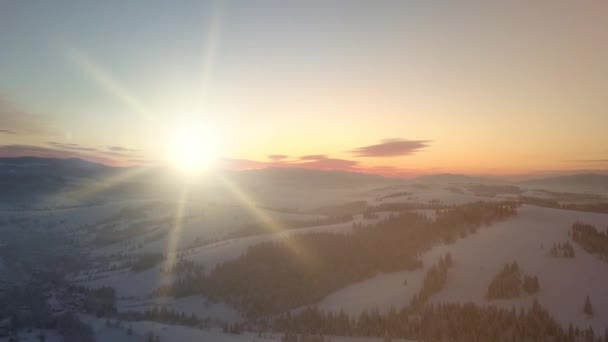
(501, 88)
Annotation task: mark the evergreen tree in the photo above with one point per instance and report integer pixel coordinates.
(588, 308)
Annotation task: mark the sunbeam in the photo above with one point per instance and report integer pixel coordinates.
(171, 250)
(268, 223)
(88, 190)
(210, 49)
(109, 83)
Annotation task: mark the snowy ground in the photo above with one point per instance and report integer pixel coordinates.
(32, 336)
(477, 258)
(380, 292)
(141, 284)
(525, 238)
(197, 305)
(187, 334)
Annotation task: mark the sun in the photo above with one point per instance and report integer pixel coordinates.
(191, 150)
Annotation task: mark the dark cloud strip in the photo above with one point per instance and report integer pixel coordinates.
(590, 161)
(277, 157)
(121, 149)
(70, 146)
(112, 151)
(391, 148)
(313, 157)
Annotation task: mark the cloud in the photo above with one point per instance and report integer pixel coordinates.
(391, 148)
(277, 157)
(121, 149)
(323, 162)
(111, 151)
(331, 164)
(70, 146)
(313, 157)
(116, 154)
(7, 131)
(247, 164)
(318, 162)
(591, 161)
(143, 161)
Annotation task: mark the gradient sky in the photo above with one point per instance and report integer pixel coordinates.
(392, 87)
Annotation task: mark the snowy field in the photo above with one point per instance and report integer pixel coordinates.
(140, 330)
(526, 239)
(205, 236)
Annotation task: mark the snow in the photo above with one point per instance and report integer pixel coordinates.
(207, 222)
(127, 283)
(211, 255)
(526, 239)
(380, 292)
(197, 305)
(426, 194)
(32, 336)
(187, 334)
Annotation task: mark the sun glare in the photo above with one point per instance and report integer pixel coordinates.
(191, 151)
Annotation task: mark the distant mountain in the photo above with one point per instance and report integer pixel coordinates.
(23, 178)
(33, 162)
(26, 180)
(310, 178)
(580, 182)
(34, 169)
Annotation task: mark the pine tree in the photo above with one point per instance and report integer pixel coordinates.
(588, 308)
(448, 259)
(536, 284)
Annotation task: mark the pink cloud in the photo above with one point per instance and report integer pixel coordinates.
(319, 162)
(391, 148)
(277, 157)
(313, 157)
(322, 162)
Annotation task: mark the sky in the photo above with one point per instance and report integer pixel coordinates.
(390, 87)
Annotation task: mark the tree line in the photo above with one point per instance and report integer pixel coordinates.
(434, 281)
(301, 269)
(562, 250)
(591, 239)
(439, 322)
(511, 282)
